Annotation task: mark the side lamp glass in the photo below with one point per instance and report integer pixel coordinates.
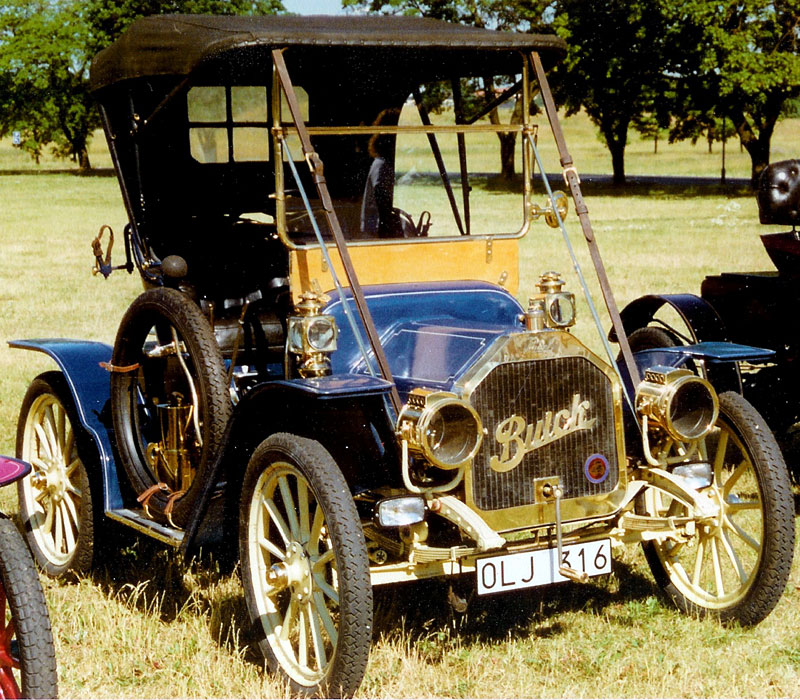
(400, 511)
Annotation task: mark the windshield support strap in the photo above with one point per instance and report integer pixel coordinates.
(571, 176)
(316, 165)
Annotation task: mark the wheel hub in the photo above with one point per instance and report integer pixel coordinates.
(293, 573)
(53, 480)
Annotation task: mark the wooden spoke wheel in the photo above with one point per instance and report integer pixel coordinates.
(305, 567)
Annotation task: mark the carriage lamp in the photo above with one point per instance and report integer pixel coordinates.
(311, 336)
(677, 401)
(442, 428)
(556, 305)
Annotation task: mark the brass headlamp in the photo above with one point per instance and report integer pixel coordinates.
(311, 336)
(441, 427)
(677, 401)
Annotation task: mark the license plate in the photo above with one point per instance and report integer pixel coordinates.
(510, 572)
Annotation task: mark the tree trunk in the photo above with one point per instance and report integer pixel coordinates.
(508, 143)
(617, 161)
(83, 160)
(758, 146)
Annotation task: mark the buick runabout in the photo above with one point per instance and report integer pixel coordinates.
(329, 367)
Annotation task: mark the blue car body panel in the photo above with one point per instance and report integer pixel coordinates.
(431, 333)
(79, 361)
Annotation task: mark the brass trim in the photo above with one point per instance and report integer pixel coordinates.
(548, 344)
(407, 129)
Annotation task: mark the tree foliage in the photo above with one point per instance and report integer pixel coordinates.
(46, 48)
(736, 59)
(613, 68)
(495, 14)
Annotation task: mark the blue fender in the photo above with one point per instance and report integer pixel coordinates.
(702, 320)
(79, 362)
(706, 330)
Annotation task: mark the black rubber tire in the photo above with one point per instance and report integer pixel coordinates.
(22, 603)
(650, 338)
(768, 570)
(285, 460)
(162, 308)
(49, 399)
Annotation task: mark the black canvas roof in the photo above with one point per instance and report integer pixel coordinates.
(177, 44)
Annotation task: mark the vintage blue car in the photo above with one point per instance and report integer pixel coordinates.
(329, 365)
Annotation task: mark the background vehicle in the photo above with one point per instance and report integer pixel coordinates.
(746, 307)
(27, 655)
(423, 425)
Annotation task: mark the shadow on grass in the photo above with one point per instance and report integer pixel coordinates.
(94, 172)
(154, 580)
(422, 609)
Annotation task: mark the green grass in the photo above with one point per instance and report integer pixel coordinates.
(143, 625)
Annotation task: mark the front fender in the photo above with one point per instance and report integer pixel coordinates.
(79, 362)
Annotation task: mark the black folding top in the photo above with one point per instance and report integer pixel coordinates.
(177, 44)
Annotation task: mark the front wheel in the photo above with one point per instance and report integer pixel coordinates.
(27, 655)
(305, 568)
(55, 499)
(737, 564)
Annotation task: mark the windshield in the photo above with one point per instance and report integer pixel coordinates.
(404, 165)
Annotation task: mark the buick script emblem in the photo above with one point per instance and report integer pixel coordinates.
(518, 438)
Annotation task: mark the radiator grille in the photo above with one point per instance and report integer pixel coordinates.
(530, 389)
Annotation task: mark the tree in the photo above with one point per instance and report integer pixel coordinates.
(736, 59)
(497, 14)
(46, 47)
(613, 68)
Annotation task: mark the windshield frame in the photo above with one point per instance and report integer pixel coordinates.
(284, 129)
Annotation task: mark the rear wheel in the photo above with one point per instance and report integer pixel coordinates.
(737, 563)
(27, 655)
(169, 400)
(305, 568)
(55, 499)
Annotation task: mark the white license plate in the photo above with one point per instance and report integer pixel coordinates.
(510, 572)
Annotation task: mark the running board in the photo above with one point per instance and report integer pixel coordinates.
(141, 523)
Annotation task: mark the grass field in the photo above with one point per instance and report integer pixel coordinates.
(143, 625)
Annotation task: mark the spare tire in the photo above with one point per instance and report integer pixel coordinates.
(169, 401)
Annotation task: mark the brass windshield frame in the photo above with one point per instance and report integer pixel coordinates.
(281, 130)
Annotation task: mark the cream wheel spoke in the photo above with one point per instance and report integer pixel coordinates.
(325, 616)
(698, 563)
(302, 640)
(277, 520)
(323, 560)
(748, 539)
(304, 512)
(290, 620)
(734, 558)
(719, 457)
(289, 507)
(734, 477)
(270, 547)
(58, 529)
(326, 588)
(39, 463)
(67, 522)
(316, 528)
(316, 634)
(44, 444)
(717, 568)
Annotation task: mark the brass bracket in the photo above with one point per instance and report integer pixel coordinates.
(489, 246)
